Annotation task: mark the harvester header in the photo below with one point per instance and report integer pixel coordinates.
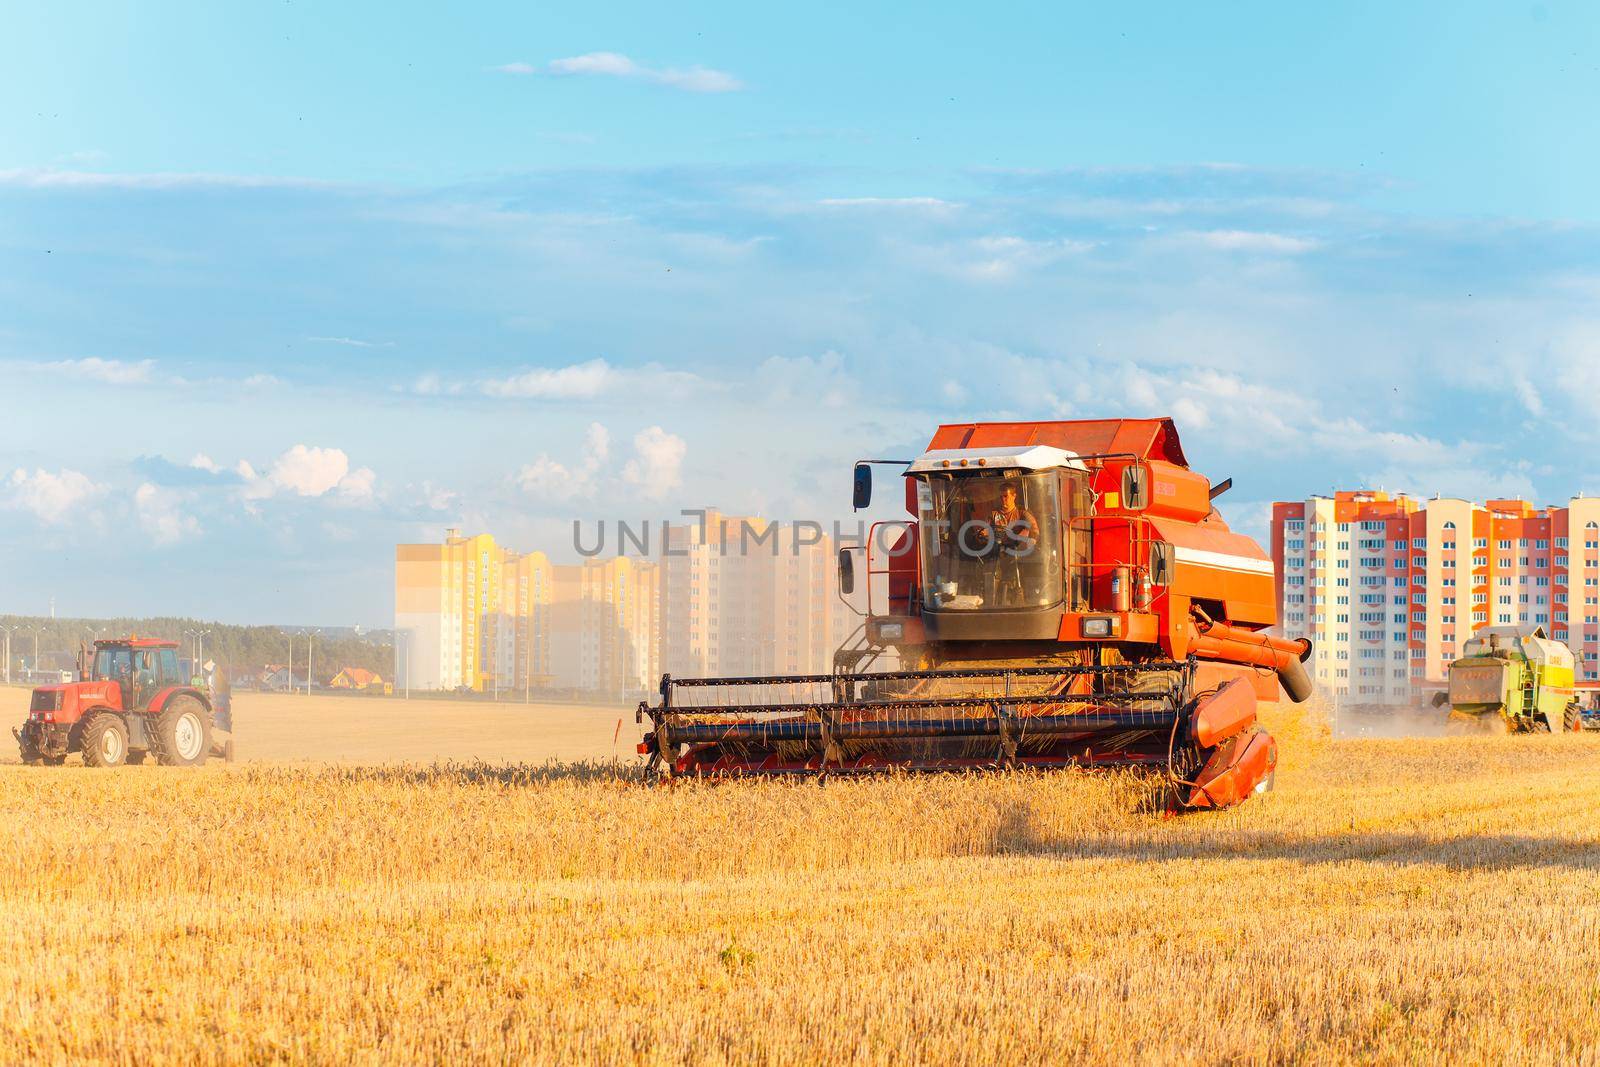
(1063, 593)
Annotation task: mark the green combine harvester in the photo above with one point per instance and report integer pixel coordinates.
(1517, 676)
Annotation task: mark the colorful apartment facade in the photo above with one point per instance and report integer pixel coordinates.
(604, 633)
(743, 595)
(734, 595)
(471, 614)
(1389, 588)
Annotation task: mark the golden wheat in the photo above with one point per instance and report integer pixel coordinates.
(1392, 901)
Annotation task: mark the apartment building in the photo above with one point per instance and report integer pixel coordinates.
(604, 633)
(734, 595)
(742, 595)
(1389, 588)
(470, 613)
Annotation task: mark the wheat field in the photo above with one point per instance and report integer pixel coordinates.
(1393, 901)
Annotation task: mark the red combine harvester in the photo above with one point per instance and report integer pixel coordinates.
(130, 699)
(1064, 595)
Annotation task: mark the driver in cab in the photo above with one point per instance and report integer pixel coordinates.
(1014, 531)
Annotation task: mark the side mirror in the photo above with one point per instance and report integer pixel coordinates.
(1160, 563)
(847, 570)
(861, 496)
(1136, 487)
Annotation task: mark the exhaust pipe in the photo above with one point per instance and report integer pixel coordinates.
(1220, 640)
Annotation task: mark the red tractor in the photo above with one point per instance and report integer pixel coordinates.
(131, 699)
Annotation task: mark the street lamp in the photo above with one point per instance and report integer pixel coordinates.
(310, 639)
(8, 630)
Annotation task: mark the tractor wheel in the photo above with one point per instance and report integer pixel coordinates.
(181, 734)
(1572, 721)
(104, 740)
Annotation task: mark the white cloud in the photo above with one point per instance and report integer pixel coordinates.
(548, 479)
(435, 498)
(161, 515)
(52, 497)
(597, 443)
(657, 466)
(432, 384)
(1005, 257)
(516, 68)
(822, 381)
(617, 65)
(262, 381)
(1251, 241)
(52, 178)
(111, 371)
(203, 462)
(309, 471)
(579, 381)
(359, 486)
(352, 342)
(551, 480)
(1528, 395)
(888, 201)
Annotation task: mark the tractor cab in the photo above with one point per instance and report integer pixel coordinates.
(141, 668)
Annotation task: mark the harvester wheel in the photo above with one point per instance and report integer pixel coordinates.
(104, 740)
(1572, 721)
(181, 734)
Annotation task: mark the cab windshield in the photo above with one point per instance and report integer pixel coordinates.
(990, 541)
(113, 664)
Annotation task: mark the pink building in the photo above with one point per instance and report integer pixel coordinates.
(1389, 588)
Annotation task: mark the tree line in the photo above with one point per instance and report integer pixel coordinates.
(241, 650)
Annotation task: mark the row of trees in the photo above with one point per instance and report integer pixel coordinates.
(242, 650)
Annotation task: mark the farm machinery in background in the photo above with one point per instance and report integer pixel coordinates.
(1064, 594)
(1515, 679)
(131, 700)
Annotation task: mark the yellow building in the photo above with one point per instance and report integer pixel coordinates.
(743, 595)
(605, 626)
(471, 614)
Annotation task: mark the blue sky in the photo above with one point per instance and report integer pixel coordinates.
(280, 286)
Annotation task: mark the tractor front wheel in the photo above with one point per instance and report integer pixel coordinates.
(181, 734)
(1572, 721)
(104, 740)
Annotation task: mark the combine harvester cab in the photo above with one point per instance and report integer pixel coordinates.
(1516, 676)
(1065, 594)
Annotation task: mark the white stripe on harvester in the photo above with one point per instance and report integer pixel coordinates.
(1221, 559)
